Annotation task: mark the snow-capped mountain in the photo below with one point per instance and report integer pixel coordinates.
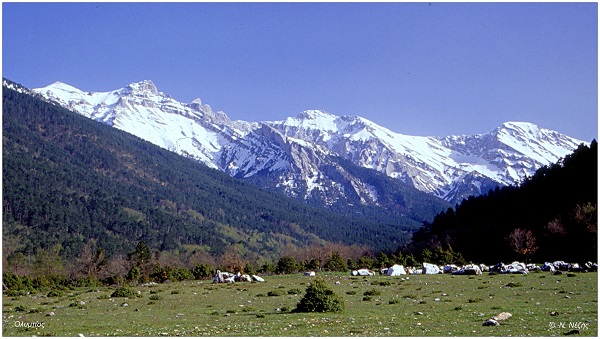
(313, 155)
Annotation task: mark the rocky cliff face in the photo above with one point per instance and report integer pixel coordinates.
(310, 156)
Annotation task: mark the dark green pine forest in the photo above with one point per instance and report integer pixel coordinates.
(550, 216)
(68, 180)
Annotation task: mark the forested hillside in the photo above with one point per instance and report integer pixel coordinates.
(551, 216)
(78, 190)
(69, 181)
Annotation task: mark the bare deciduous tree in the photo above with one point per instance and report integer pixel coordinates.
(89, 262)
(232, 260)
(523, 242)
(587, 216)
(556, 227)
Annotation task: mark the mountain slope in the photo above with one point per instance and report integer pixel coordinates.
(558, 205)
(290, 155)
(436, 165)
(68, 179)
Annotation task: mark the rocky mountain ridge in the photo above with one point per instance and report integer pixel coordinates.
(302, 156)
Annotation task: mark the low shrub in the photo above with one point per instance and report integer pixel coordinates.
(15, 293)
(511, 284)
(180, 274)
(372, 292)
(124, 292)
(54, 294)
(275, 293)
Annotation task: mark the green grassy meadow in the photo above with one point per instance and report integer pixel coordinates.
(542, 304)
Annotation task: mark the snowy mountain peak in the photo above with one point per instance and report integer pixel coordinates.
(520, 125)
(315, 114)
(523, 128)
(64, 87)
(61, 87)
(301, 155)
(144, 86)
(196, 104)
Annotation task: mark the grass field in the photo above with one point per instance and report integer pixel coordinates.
(542, 304)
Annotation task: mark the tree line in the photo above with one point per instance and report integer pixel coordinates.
(93, 267)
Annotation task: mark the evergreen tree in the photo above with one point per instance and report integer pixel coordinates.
(141, 255)
(319, 298)
(382, 261)
(201, 271)
(286, 265)
(335, 263)
(365, 262)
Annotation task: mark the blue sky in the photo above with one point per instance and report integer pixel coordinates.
(416, 68)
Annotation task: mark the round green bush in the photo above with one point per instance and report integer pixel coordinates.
(320, 298)
(124, 292)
